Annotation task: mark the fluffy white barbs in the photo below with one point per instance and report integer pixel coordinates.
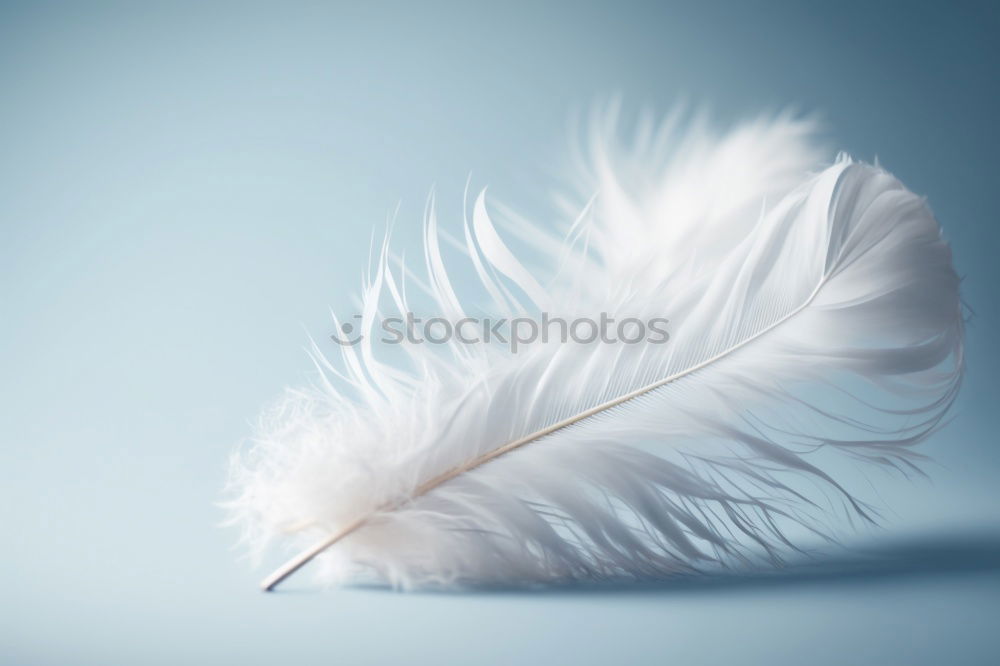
(814, 312)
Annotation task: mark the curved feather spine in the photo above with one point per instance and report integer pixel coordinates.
(306, 556)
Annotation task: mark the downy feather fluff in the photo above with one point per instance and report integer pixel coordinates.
(814, 318)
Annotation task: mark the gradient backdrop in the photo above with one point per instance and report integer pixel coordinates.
(186, 189)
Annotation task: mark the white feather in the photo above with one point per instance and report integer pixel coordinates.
(813, 311)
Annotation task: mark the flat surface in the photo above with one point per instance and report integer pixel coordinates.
(187, 189)
(916, 602)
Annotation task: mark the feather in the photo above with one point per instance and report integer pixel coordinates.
(812, 320)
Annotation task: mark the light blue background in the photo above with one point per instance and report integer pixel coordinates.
(185, 188)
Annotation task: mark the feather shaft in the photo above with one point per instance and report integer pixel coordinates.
(303, 558)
